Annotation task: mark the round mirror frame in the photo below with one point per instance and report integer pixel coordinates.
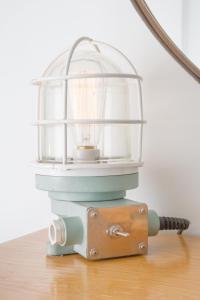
(150, 20)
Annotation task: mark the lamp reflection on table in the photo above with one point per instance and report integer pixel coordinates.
(80, 279)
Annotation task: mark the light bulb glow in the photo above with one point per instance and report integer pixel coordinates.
(86, 101)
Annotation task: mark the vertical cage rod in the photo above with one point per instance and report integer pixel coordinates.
(141, 125)
(39, 156)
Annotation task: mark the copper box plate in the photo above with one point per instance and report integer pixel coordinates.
(132, 218)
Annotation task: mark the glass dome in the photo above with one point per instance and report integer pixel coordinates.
(90, 107)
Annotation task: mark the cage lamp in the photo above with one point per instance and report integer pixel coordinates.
(89, 127)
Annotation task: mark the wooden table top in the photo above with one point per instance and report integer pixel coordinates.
(171, 270)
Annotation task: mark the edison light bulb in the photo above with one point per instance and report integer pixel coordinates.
(86, 98)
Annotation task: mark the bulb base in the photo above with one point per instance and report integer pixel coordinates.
(86, 154)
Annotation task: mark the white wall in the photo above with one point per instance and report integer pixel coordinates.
(169, 15)
(180, 19)
(191, 29)
(32, 34)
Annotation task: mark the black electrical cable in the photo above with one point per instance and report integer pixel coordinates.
(169, 223)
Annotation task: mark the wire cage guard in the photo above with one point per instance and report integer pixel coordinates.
(65, 122)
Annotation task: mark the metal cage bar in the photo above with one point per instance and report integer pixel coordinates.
(85, 76)
(88, 121)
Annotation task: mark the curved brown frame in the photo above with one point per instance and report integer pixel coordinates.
(149, 19)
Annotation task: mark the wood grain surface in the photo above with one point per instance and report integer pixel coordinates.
(171, 270)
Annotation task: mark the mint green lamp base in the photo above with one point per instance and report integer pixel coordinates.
(57, 250)
(88, 207)
(87, 188)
